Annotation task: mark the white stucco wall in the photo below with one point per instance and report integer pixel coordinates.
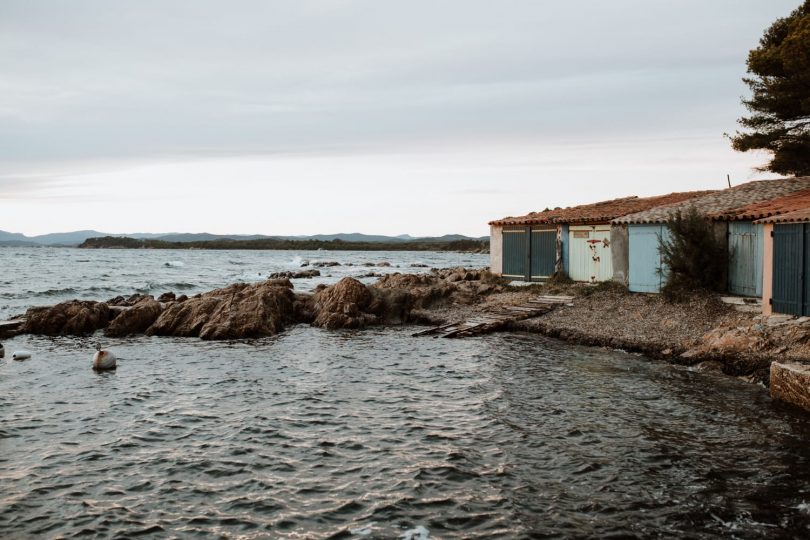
(496, 249)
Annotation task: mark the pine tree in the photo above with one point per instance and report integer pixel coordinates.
(780, 102)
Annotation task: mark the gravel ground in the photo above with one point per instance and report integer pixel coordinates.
(699, 330)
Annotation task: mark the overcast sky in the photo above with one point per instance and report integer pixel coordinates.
(420, 117)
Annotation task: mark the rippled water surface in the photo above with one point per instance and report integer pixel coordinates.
(320, 434)
(375, 434)
(45, 276)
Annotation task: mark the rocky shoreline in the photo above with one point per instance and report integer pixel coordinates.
(699, 331)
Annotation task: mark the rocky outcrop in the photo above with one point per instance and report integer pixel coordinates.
(442, 287)
(727, 342)
(167, 297)
(262, 309)
(295, 275)
(136, 319)
(76, 318)
(350, 304)
(791, 383)
(237, 311)
(127, 301)
(342, 305)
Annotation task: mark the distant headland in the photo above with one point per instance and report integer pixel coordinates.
(340, 241)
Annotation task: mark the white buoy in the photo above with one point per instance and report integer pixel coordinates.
(103, 360)
(21, 355)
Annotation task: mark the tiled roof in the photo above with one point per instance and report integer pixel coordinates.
(723, 201)
(798, 216)
(601, 211)
(799, 200)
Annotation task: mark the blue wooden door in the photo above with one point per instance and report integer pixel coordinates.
(805, 277)
(646, 272)
(789, 243)
(543, 253)
(746, 245)
(516, 253)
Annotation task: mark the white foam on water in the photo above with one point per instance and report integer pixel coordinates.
(803, 508)
(417, 533)
(364, 530)
(296, 261)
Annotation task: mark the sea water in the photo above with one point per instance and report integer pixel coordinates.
(374, 434)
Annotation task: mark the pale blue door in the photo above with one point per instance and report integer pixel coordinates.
(645, 272)
(745, 244)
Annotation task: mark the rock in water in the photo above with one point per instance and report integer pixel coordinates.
(238, 311)
(2, 351)
(136, 319)
(791, 383)
(104, 360)
(68, 318)
(20, 355)
(350, 304)
(342, 305)
(166, 297)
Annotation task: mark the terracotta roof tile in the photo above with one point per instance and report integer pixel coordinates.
(720, 202)
(798, 216)
(799, 200)
(600, 211)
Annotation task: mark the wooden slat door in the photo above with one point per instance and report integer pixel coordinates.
(543, 253)
(745, 244)
(516, 253)
(646, 271)
(788, 268)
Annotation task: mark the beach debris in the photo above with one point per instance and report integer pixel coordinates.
(495, 320)
(20, 355)
(103, 359)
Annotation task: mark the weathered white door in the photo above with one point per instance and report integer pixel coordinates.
(589, 257)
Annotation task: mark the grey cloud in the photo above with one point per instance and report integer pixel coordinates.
(95, 79)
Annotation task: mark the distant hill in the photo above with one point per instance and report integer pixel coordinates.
(15, 239)
(75, 238)
(360, 237)
(201, 237)
(350, 237)
(118, 242)
(67, 239)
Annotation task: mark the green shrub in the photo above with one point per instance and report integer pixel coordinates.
(693, 258)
